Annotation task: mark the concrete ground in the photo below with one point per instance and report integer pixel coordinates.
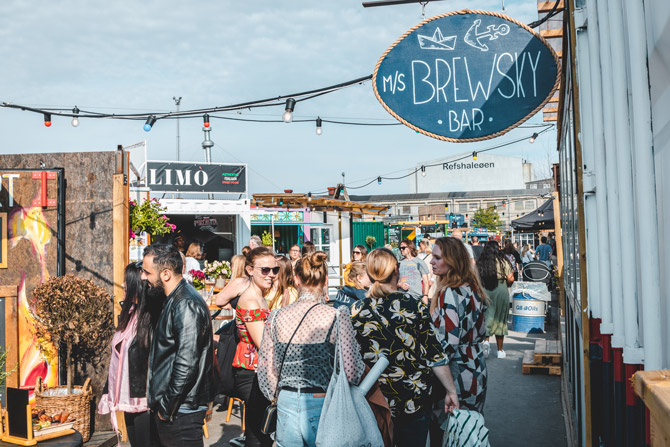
(523, 410)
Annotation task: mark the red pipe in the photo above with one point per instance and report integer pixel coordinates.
(44, 188)
(607, 347)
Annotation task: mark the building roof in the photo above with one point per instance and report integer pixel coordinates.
(377, 198)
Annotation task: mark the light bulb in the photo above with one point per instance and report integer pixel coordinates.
(423, 171)
(287, 117)
(47, 119)
(533, 137)
(319, 129)
(75, 118)
(474, 156)
(150, 123)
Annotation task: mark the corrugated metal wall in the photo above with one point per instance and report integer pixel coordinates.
(365, 229)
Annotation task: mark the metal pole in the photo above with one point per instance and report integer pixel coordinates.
(610, 162)
(645, 191)
(177, 101)
(603, 253)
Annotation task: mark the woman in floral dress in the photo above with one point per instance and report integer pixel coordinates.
(250, 315)
(458, 310)
(393, 323)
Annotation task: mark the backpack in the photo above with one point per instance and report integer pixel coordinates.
(223, 358)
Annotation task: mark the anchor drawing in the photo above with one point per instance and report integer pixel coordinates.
(473, 38)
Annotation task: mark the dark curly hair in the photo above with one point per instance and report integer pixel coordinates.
(487, 264)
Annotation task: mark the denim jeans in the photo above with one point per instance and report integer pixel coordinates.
(298, 417)
(410, 430)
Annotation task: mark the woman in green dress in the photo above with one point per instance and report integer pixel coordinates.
(496, 275)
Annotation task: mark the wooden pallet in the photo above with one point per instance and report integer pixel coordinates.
(528, 365)
(547, 352)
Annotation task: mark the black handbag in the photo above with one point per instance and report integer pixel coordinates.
(269, 424)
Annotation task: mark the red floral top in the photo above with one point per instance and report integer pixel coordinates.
(246, 355)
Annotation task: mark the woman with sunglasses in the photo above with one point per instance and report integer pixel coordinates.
(296, 357)
(357, 255)
(250, 315)
(283, 290)
(397, 325)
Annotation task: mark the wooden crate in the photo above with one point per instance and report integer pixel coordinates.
(547, 352)
(528, 365)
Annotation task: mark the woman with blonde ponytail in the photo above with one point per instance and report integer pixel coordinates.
(298, 351)
(397, 325)
(457, 309)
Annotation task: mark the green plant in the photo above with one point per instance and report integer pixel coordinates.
(147, 216)
(217, 268)
(370, 241)
(267, 238)
(4, 373)
(74, 312)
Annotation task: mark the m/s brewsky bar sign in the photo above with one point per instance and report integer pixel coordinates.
(466, 76)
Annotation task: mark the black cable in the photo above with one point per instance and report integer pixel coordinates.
(554, 11)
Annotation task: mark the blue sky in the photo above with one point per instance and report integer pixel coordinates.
(128, 56)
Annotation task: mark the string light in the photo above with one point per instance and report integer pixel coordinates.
(75, 118)
(150, 123)
(319, 121)
(533, 137)
(474, 155)
(379, 180)
(205, 119)
(47, 119)
(288, 114)
(423, 170)
(309, 196)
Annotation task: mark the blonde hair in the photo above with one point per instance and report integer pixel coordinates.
(237, 266)
(455, 255)
(194, 250)
(381, 266)
(312, 269)
(357, 268)
(284, 282)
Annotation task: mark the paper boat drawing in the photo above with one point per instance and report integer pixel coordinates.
(437, 41)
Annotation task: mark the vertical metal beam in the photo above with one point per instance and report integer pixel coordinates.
(120, 231)
(579, 174)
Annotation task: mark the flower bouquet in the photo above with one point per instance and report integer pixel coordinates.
(217, 268)
(198, 279)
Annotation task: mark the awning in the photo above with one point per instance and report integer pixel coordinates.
(316, 203)
(540, 219)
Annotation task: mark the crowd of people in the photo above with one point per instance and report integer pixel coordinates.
(430, 314)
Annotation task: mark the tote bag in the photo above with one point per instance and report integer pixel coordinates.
(346, 419)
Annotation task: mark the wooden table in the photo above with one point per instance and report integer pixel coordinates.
(653, 387)
(73, 440)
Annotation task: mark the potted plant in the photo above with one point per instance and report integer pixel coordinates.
(77, 314)
(148, 216)
(370, 241)
(198, 278)
(219, 271)
(267, 239)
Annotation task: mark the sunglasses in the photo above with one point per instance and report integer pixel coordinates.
(357, 252)
(403, 247)
(265, 271)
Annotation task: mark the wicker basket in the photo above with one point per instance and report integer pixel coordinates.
(55, 400)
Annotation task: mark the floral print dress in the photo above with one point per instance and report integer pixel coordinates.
(461, 325)
(408, 340)
(246, 354)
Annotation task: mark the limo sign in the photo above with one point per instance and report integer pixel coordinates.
(169, 176)
(466, 76)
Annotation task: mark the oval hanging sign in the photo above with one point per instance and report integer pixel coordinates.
(466, 76)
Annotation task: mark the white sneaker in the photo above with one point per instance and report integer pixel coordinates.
(501, 354)
(486, 347)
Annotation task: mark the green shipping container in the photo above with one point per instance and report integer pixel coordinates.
(364, 229)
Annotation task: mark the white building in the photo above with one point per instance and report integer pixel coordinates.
(461, 172)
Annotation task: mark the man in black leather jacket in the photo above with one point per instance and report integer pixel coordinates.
(180, 362)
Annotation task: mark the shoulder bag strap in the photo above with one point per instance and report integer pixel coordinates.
(281, 365)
